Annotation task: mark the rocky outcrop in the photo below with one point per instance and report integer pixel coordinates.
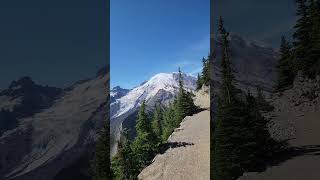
(202, 98)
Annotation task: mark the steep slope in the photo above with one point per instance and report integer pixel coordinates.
(295, 119)
(161, 88)
(188, 153)
(254, 64)
(55, 137)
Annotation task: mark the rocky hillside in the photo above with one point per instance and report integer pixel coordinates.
(25, 97)
(56, 134)
(296, 119)
(254, 64)
(188, 153)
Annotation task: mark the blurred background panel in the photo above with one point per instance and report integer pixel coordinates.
(54, 84)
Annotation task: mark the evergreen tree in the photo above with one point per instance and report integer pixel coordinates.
(256, 137)
(205, 72)
(180, 111)
(241, 139)
(285, 67)
(181, 107)
(144, 145)
(227, 132)
(302, 36)
(184, 105)
(314, 51)
(123, 164)
(157, 123)
(199, 82)
(261, 103)
(101, 166)
(204, 79)
(169, 123)
(189, 105)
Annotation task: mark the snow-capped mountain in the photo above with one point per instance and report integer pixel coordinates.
(117, 92)
(55, 136)
(167, 82)
(160, 88)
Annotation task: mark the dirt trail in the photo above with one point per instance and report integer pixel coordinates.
(303, 163)
(188, 157)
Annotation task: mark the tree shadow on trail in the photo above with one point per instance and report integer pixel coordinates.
(172, 145)
(199, 109)
(292, 152)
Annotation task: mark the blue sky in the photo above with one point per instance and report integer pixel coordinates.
(264, 20)
(153, 36)
(54, 42)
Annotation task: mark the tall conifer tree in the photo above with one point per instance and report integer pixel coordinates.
(205, 71)
(314, 51)
(144, 145)
(227, 135)
(123, 165)
(101, 165)
(199, 82)
(157, 122)
(302, 36)
(169, 122)
(285, 67)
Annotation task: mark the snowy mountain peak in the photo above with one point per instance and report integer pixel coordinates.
(24, 81)
(161, 84)
(169, 80)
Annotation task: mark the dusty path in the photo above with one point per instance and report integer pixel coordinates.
(304, 162)
(189, 155)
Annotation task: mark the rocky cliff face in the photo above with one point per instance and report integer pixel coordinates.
(56, 135)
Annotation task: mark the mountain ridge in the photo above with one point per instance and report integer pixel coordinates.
(51, 139)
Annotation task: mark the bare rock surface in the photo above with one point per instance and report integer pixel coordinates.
(202, 97)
